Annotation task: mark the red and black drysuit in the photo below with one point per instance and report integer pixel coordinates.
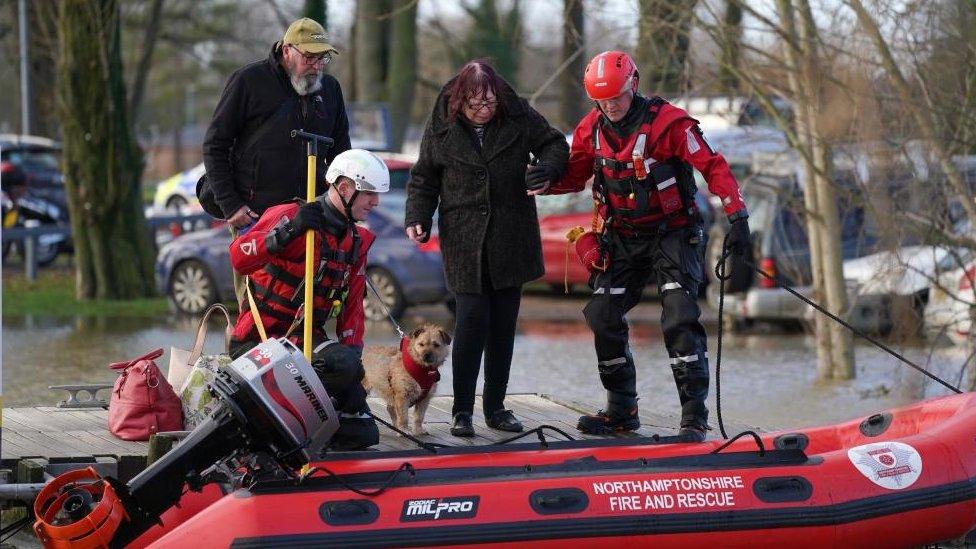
(651, 229)
(276, 281)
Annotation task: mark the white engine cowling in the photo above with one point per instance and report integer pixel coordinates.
(286, 384)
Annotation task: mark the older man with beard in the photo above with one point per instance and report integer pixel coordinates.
(252, 161)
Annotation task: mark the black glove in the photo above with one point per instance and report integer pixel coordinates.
(308, 217)
(738, 240)
(537, 177)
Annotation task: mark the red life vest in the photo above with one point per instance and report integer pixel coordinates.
(279, 289)
(640, 192)
(425, 377)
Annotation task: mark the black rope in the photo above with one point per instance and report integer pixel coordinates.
(538, 431)
(429, 446)
(759, 442)
(720, 274)
(405, 466)
(726, 252)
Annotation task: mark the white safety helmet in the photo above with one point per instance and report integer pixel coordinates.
(364, 168)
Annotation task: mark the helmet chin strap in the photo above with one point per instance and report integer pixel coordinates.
(347, 205)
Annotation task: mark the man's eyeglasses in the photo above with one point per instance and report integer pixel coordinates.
(313, 58)
(477, 106)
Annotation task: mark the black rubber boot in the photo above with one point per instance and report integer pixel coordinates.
(357, 431)
(620, 415)
(694, 421)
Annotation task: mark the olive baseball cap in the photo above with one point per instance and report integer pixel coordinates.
(308, 36)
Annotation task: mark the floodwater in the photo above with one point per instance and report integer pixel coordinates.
(767, 379)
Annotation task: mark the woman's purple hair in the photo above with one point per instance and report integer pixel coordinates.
(474, 79)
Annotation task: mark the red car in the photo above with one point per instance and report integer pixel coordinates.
(557, 215)
(560, 213)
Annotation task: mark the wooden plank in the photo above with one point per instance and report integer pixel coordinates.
(48, 419)
(62, 445)
(31, 448)
(54, 432)
(129, 447)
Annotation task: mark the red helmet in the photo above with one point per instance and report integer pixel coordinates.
(608, 75)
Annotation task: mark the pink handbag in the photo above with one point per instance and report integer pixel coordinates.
(143, 402)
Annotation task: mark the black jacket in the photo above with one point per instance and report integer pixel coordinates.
(273, 169)
(485, 215)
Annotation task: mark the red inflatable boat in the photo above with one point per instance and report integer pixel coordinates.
(899, 479)
(902, 478)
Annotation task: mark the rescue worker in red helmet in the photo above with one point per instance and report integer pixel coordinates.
(272, 255)
(640, 152)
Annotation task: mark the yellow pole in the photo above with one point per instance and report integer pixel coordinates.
(309, 264)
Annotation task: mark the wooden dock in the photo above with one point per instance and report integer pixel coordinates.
(62, 439)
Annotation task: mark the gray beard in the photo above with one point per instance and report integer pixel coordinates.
(309, 83)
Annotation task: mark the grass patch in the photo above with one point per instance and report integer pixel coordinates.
(53, 293)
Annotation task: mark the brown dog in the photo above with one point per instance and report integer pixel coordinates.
(387, 372)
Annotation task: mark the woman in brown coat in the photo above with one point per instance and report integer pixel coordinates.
(472, 168)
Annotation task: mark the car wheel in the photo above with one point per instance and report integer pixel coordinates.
(192, 288)
(390, 293)
(45, 254)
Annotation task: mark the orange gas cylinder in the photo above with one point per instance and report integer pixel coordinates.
(77, 510)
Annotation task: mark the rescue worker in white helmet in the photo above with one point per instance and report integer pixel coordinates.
(640, 152)
(272, 255)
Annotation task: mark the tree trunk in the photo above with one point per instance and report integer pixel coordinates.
(102, 163)
(731, 47)
(841, 339)
(662, 44)
(153, 22)
(402, 74)
(42, 18)
(317, 10)
(834, 344)
(369, 44)
(571, 97)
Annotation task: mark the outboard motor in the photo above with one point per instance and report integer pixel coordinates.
(272, 403)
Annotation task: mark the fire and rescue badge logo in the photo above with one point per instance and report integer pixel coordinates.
(891, 465)
(250, 247)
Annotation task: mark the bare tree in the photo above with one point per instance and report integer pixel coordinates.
(731, 45)
(317, 10)
(152, 23)
(402, 73)
(662, 44)
(371, 43)
(102, 162)
(835, 346)
(571, 98)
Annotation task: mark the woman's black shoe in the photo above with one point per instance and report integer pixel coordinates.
(462, 425)
(504, 420)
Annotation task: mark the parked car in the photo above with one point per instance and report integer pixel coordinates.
(891, 288)
(31, 177)
(780, 247)
(178, 193)
(952, 299)
(560, 213)
(194, 270)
